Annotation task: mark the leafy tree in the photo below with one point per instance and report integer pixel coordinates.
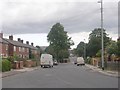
(59, 40)
(118, 44)
(98, 54)
(80, 49)
(112, 48)
(94, 44)
(50, 50)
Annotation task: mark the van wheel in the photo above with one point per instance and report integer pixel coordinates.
(49, 66)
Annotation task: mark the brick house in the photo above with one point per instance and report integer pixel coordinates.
(3, 47)
(17, 47)
(10, 47)
(32, 50)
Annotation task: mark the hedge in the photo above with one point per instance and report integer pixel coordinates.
(6, 65)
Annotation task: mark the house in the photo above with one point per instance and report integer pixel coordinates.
(10, 47)
(17, 48)
(3, 47)
(33, 51)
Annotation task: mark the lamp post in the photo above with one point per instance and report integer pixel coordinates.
(84, 50)
(102, 52)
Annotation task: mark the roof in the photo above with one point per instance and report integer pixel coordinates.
(3, 41)
(17, 43)
(43, 47)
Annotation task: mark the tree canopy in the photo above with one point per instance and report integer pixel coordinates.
(80, 49)
(59, 41)
(94, 44)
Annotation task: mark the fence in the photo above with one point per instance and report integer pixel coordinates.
(112, 65)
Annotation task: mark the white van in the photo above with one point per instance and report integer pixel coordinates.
(80, 61)
(46, 60)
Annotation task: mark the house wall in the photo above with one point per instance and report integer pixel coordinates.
(10, 50)
(4, 50)
(22, 52)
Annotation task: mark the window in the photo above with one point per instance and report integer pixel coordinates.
(6, 47)
(23, 49)
(14, 48)
(19, 49)
(28, 50)
(6, 55)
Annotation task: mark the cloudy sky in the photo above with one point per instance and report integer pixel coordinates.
(31, 20)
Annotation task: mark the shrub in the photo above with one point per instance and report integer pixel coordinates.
(0, 65)
(6, 65)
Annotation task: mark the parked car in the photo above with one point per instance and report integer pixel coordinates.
(75, 61)
(55, 62)
(46, 60)
(80, 61)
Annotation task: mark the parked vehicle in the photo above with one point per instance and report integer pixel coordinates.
(80, 61)
(75, 61)
(46, 60)
(55, 62)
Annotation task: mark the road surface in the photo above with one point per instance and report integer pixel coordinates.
(61, 76)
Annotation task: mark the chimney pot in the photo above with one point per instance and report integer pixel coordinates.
(19, 39)
(11, 37)
(27, 42)
(32, 44)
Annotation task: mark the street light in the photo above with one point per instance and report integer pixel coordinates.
(84, 50)
(102, 52)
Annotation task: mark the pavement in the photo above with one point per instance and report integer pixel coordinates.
(16, 71)
(106, 72)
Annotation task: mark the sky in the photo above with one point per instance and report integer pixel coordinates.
(31, 20)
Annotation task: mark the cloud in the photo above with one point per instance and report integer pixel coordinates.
(35, 16)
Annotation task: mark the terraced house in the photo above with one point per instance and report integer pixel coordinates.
(3, 47)
(10, 47)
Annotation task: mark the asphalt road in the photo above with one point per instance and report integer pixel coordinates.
(61, 76)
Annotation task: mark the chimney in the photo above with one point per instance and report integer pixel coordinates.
(32, 44)
(27, 42)
(118, 39)
(19, 39)
(11, 37)
(1, 35)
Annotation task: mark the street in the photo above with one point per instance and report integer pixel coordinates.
(61, 76)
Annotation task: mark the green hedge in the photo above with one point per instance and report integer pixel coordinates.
(6, 65)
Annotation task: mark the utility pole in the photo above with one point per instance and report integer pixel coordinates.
(84, 50)
(102, 52)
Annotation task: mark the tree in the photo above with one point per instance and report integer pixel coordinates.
(94, 44)
(40, 50)
(80, 49)
(112, 48)
(50, 50)
(59, 40)
(118, 44)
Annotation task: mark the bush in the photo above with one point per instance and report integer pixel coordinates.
(0, 65)
(6, 65)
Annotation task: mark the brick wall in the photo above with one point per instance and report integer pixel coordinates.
(10, 50)
(4, 50)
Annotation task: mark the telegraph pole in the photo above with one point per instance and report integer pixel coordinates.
(102, 42)
(84, 50)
